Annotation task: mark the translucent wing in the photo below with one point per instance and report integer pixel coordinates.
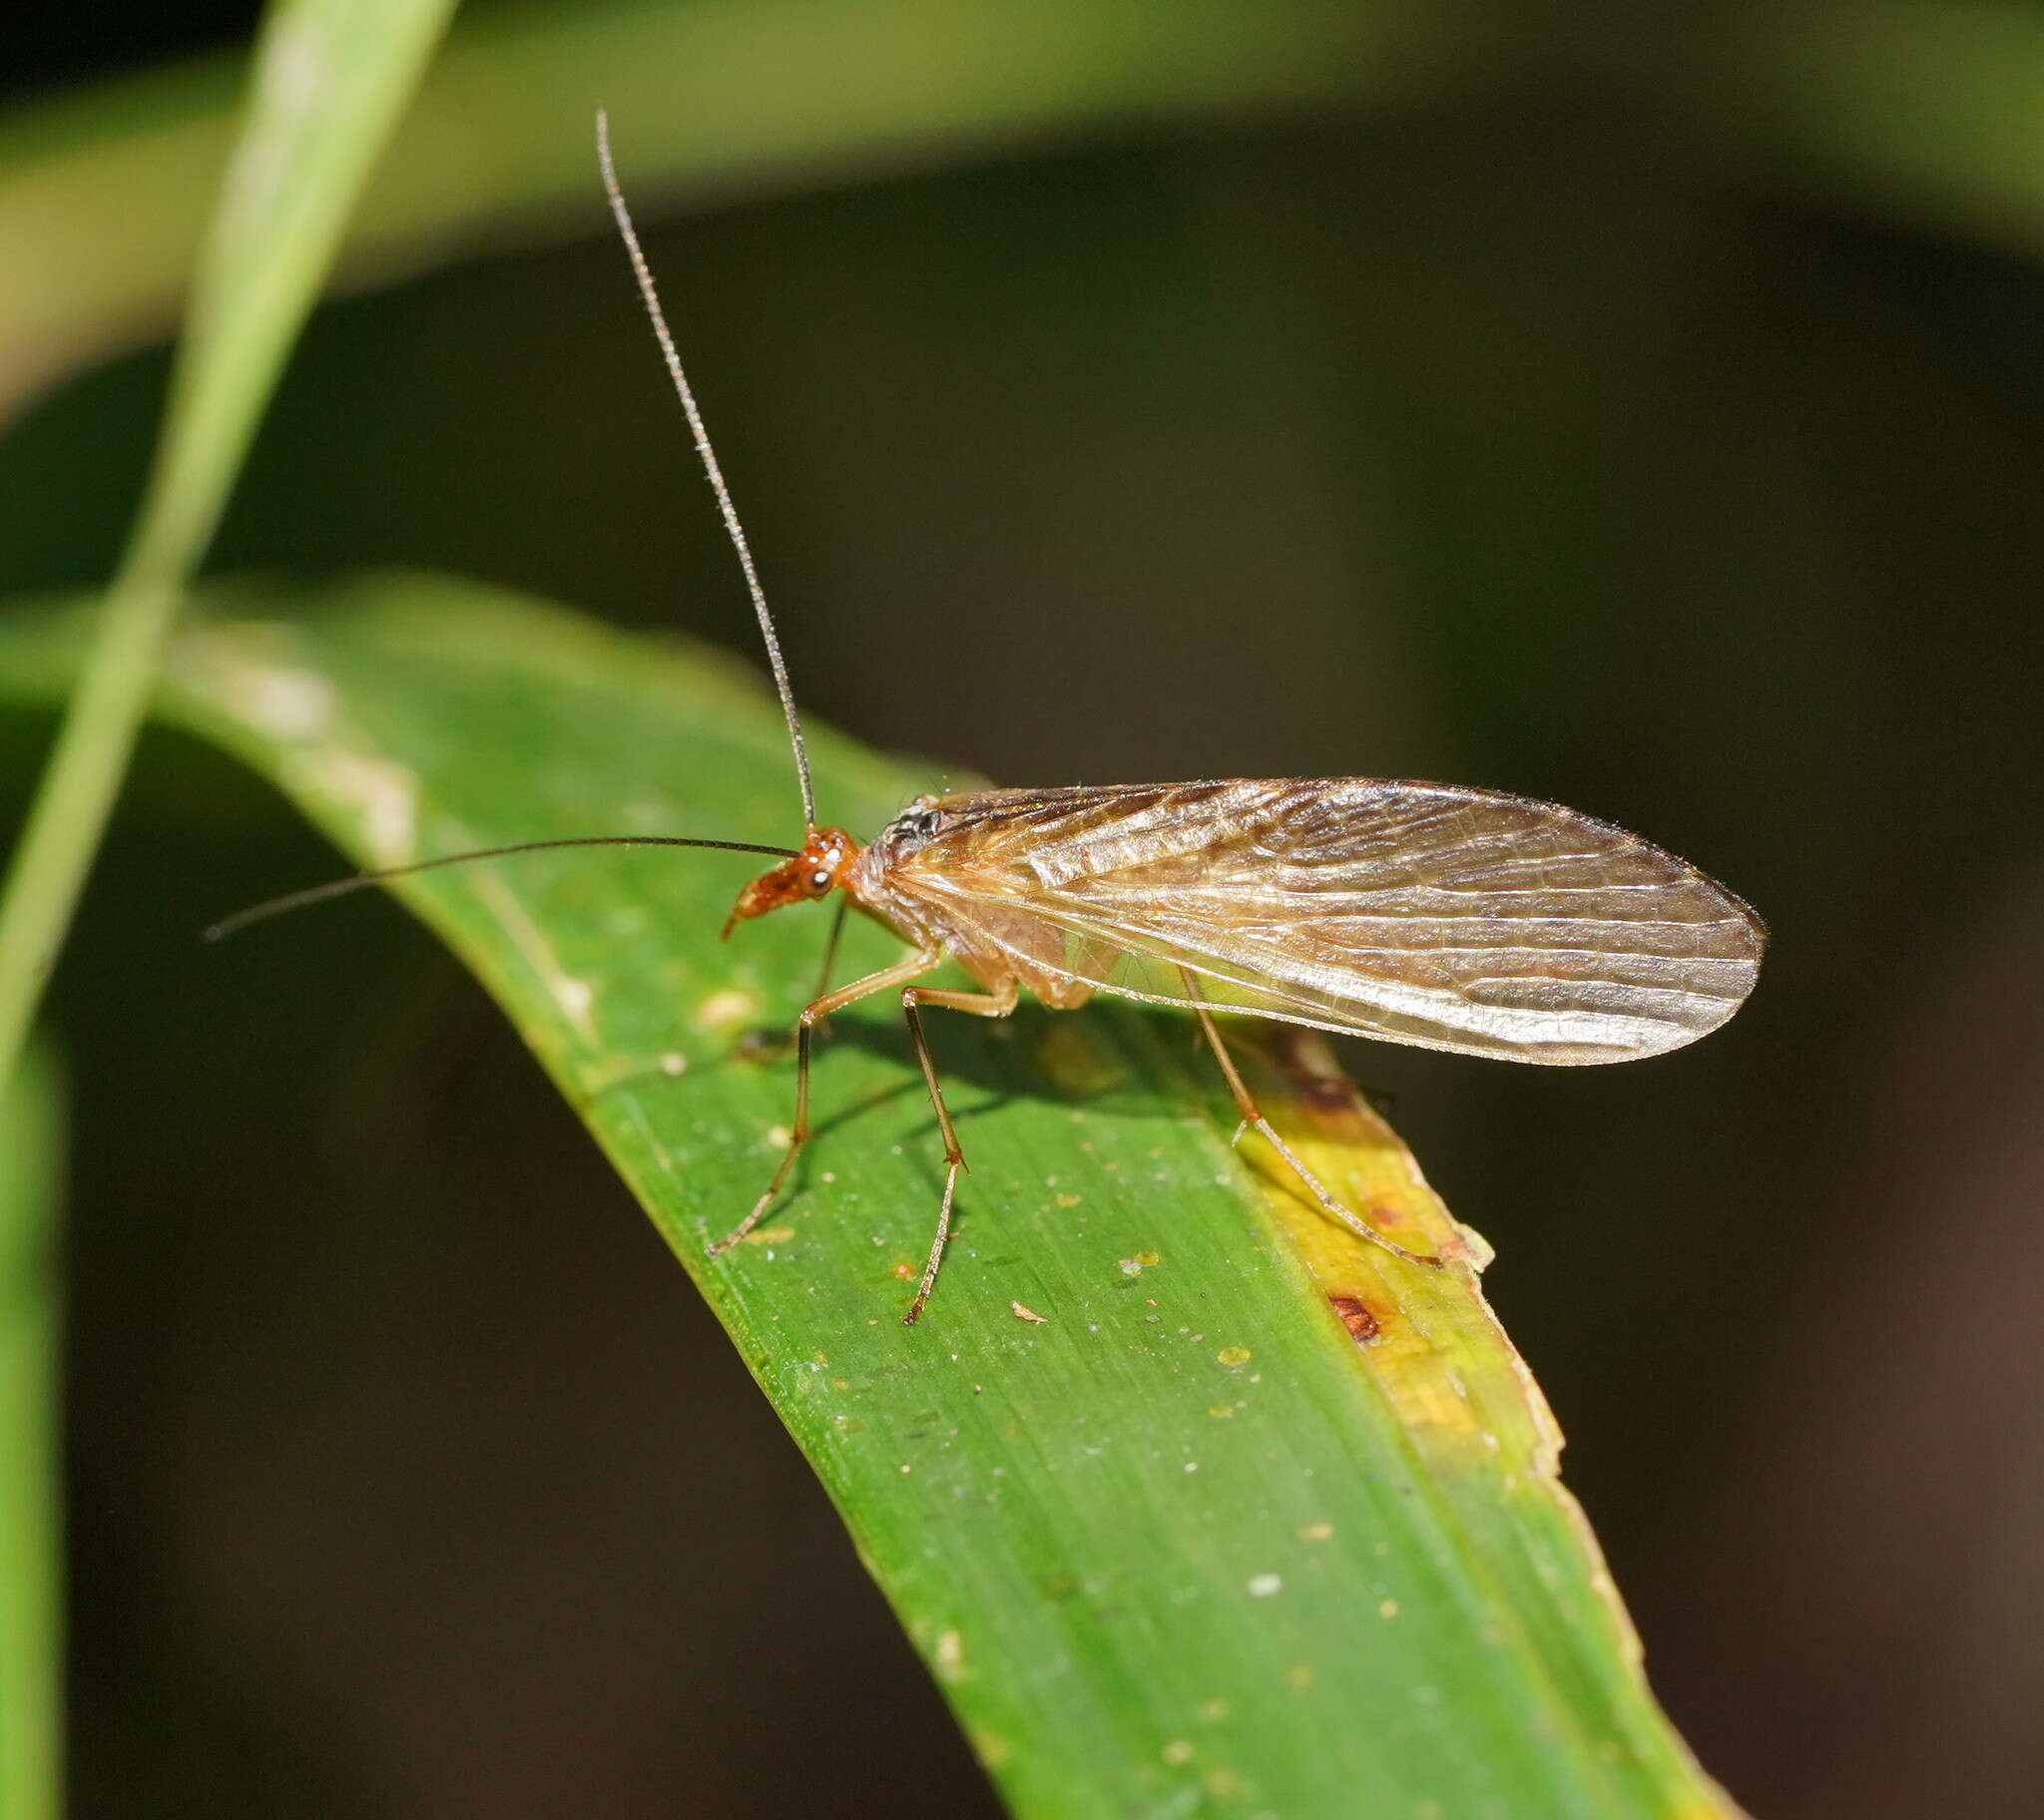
(1421, 913)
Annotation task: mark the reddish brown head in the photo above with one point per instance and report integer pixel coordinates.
(817, 870)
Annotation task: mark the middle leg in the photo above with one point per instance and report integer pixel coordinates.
(996, 1003)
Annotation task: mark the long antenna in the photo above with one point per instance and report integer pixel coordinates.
(361, 881)
(644, 274)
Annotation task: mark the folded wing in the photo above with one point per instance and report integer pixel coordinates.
(1421, 913)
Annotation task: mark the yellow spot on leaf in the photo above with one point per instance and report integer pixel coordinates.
(989, 1747)
(1234, 1355)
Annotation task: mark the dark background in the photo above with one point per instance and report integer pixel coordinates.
(1507, 441)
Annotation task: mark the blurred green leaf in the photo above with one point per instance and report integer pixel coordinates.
(328, 80)
(1925, 114)
(1907, 108)
(1192, 1503)
(102, 193)
(31, 1586)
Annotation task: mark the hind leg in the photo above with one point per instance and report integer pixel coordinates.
(1252, 1117)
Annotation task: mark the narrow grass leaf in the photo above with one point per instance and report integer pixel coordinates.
(31, 1551)
(329, 78)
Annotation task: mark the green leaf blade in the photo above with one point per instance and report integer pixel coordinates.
(1254, 1519)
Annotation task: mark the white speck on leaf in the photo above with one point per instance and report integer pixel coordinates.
(572, 995)
(384, 796)
(1262, 1585)
(290, 703)
(721, 1010)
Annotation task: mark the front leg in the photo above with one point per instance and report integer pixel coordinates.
(996, 1003)
(911, 968)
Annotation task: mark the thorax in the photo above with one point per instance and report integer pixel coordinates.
(898, 880)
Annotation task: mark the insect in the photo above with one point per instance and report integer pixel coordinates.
(1422, 913)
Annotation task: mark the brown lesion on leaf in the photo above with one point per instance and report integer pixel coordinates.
(1382, 1212)
(1362, 1320)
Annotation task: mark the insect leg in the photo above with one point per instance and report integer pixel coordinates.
(997, 1004)
(1252, 1116)
(819, 1008)
(831, 953)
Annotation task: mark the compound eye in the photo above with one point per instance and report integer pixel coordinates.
(820, 881)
